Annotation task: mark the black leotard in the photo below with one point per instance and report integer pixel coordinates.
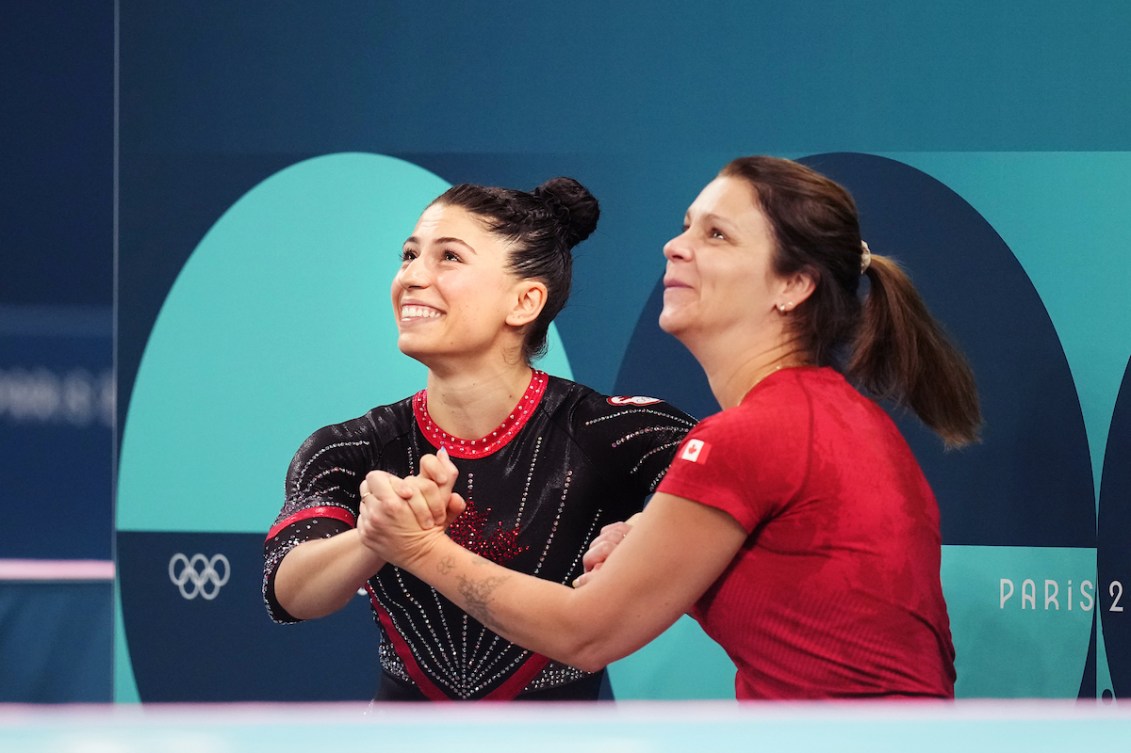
(539, 489)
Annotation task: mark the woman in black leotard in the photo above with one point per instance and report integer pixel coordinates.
(544, 463)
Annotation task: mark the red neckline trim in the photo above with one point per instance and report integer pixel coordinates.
(470, 449)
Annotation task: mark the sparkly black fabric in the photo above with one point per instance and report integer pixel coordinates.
(581, 461)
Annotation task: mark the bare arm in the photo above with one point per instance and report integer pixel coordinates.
(319, 577)
(678, 548)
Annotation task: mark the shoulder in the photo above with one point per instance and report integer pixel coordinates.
(798, 392)
(377, 426)
(790, 407)
(814, 395)
(630, 438)
(781, 409)
(395, 417)
(587, 407)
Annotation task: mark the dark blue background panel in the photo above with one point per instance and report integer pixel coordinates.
(185, 646)
(1113, 591)
(56, 414)
(57, 156)
(469, 77)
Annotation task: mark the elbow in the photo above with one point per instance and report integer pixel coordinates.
(588, 658)
(275, 610)
(593, 656)
(297, 609)
(590, 661)
(591, 646)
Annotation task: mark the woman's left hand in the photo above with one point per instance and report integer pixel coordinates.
(599, 550)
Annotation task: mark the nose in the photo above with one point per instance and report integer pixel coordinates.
(413, 274)
(677, 248)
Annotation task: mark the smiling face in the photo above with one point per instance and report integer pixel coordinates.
(719, 279)
(453, 297)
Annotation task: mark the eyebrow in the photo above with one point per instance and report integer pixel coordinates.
(442, 240)
(718, 219)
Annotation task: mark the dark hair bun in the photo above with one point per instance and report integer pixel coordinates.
(574, 207)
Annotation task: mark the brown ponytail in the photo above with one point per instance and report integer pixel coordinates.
(901, 353)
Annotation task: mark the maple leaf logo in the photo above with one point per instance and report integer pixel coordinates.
(470, 530)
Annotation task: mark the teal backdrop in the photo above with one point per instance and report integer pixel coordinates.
(272, 156)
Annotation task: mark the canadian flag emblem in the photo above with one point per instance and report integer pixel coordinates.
(695, 450)
(631, 400)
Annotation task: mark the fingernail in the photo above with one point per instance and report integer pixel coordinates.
(443, 453)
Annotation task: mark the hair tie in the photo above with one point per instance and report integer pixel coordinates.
(865, 257)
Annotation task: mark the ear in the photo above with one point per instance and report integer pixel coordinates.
(798, 287)
(530, 297)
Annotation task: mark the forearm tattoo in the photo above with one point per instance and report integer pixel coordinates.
(476, 592)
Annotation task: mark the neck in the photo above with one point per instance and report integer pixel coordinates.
(733, 372)
(471, 404)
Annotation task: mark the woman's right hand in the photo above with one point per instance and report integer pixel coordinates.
(389, 523)
(397, 516)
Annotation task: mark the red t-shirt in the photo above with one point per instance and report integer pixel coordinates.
(836, 592)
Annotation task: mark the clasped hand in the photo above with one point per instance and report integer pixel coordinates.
(400, 518)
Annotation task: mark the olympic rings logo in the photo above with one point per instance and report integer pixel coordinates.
(198, 575)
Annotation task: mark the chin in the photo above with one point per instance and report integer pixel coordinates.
(669, 322)
(410, 349)
(681, 330)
